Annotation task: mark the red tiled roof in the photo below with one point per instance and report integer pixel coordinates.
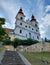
(21, 12)
(33, 18)
(8, 30)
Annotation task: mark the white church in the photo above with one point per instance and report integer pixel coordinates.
(25, 29)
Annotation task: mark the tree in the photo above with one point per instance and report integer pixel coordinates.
(16, 42)
(31, 41)
(27, 42)
(2, 30)
(2, 21)
(7, 42)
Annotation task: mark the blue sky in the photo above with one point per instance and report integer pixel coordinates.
(39, 8)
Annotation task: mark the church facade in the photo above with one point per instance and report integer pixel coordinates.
(26, 29)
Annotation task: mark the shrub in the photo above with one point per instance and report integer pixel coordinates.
(7, 42)
(28, 42)
(31, 41)
(15, 42)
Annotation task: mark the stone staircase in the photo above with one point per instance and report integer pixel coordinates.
(12, 58)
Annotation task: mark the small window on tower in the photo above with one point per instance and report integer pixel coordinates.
(36, 30)
(21, 18)
(20, 23)
(36, 25)
(29, 26)
(26, 26)
(20, 31)
(32, 29)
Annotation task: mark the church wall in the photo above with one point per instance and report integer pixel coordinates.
(25, 33)
(19, 16)
(25, 29)
(28, 25)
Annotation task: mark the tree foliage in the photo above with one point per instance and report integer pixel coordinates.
(15, 42)
(7, 42)
(3, 33)
(2, 21)
(29, 41)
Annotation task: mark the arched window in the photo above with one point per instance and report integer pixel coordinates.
(37, 37)
(36, 30)
(29, 35)
(20, 31)
(26, 26)
(21, 18)
(20, 23)
(36, 25)
(29, 27)
(32, 29)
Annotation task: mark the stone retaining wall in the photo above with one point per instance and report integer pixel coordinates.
(39, 47)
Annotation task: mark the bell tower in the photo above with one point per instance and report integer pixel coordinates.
(33, 18)
(33, 21)
(20, 15)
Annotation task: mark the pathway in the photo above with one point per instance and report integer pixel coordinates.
(12, 58)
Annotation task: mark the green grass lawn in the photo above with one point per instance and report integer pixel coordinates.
(1, 48)
(36, 58)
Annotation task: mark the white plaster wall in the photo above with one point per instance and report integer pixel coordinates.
(25, 24)
(20, 15)
(20, 37)
(24, 32)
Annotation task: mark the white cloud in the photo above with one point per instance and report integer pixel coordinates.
(7, 25)
(47, 8)
(1, 15)
(44, 26)
(40, 8)
(10, 9)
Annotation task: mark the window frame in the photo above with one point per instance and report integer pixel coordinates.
(20, 31)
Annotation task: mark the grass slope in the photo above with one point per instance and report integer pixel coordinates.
(36, 58)
(1, 48)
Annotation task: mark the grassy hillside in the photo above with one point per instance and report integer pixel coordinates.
(1, 48)
(36, 58)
